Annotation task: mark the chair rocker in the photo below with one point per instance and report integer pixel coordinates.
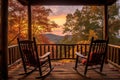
(96, 56)
(31, 60)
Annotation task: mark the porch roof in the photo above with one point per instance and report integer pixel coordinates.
(68, 2)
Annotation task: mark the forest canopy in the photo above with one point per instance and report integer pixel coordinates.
(18, 21)
(88, 22)
(81, 24)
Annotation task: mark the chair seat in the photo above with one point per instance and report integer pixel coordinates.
(92, 61)
(42, 61)
(84, 61)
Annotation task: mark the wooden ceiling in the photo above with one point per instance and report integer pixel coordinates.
(68, 2)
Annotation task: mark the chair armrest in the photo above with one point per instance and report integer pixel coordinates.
(80, 55)
(45, 55)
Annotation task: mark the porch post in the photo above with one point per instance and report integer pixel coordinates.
(105, 28)
(29, 21)
(4, 39)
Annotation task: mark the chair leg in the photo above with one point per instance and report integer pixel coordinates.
(76, 62)
(49, 62)
(101, 68)
(40, 71)
(25, 69)
(85, 72)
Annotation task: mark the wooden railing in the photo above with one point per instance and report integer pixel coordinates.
(62, 51)
(58, 51)
(13, 55)
(65, 51)
(113, 55)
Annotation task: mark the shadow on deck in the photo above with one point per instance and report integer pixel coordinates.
(63, 70)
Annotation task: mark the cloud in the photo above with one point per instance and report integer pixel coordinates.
(59, 10)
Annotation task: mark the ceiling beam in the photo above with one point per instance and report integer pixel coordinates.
(68, 2)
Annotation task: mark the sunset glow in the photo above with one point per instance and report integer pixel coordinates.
(58, 15)
(57, 31)
(59, 19)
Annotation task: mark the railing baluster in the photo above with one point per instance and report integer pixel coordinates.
(44, 49)
(48, 48)
(73, 51)
(115, 58)
(81, 49)
(111, 53)
(12, 56)
(9, 58)
(57, 52)
(68, 51)
(64, 51)
(119, 56)
(52, 51)
(61, 52)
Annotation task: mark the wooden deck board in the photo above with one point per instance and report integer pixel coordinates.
(63, 70)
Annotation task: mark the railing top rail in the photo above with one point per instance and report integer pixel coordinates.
(115, 46)
(63, 44)
(12, 46)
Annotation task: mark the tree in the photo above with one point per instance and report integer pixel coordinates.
(18, 21)
(114, 24)
(40, 21)
(82, 22)
(88, 22)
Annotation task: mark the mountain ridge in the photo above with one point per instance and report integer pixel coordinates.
(53, 37)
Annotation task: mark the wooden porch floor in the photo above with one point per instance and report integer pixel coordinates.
(63, 70)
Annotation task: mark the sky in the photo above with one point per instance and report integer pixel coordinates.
(58, 15)
(59, 19)
(60, 12)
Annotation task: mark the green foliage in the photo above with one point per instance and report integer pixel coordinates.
(88, 22)
(114, 24)
(81, 22)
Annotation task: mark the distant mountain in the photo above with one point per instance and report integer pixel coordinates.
(118, 36)
(54, 38)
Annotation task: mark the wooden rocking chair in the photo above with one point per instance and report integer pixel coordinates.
(95, 57)
(31, 59)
